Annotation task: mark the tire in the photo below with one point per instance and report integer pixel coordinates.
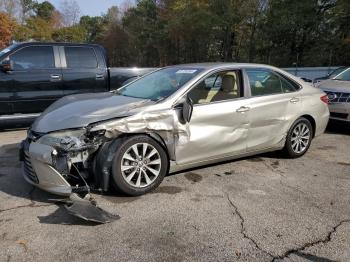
(137, 170)
(299, 138)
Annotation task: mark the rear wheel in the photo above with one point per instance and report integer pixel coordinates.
(299, 138)
(139, 165)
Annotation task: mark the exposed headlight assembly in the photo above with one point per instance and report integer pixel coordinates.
(65, 140)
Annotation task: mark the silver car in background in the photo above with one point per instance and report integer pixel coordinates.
(338, 91)
(175, 118)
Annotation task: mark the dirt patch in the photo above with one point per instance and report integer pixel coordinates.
(326, 147)
(275, 164)
(343, 164)
(120, 200)
(227, 173)
(171, 190)
(193, 177)
(256, 159)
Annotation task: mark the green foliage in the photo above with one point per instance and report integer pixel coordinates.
(36, 28)
(93, 26)
(76, 34)
(163, 32)
(44, 10)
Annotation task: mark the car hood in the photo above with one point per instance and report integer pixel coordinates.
(335, 85)
(76, 111)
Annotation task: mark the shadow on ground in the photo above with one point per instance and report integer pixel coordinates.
(338, 127)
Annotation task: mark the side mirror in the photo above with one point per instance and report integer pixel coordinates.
(6, 65)
(186, 107)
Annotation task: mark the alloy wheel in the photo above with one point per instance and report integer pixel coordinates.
(141, 165)
(300, 138)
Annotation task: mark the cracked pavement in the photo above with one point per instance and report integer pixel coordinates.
(261, 208)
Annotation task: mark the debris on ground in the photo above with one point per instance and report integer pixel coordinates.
(86, 208)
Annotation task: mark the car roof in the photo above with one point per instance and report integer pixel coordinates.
(218, 65)
(29, 43)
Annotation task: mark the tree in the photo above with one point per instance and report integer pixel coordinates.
(27, 9)
(147, 32)
(10, 7)
(36, 28)
(6, 29)
(56, 20)
(95, 27)
(44, 10)
(74, 33)
(113, 15)
(117, 43)
(70, 11)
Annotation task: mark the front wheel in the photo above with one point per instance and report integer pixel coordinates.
(299, 138)
(139, 165)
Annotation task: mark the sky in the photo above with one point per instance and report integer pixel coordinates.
(90, 7)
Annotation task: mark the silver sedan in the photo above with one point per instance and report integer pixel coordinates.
(175, 118)
(338, 91)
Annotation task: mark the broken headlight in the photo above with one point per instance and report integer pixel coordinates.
(65, 140)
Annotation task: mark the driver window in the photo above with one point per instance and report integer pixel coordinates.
(217, 87)
(34, 57)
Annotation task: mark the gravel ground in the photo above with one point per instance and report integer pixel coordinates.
(263, 208)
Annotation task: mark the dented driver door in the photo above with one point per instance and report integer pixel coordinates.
(219, 124)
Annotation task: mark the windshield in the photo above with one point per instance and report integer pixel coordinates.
(344, 76)
(7, 49)
(160, 84)
(336, 72)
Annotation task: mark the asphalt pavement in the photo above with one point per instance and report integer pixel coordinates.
(261, 208)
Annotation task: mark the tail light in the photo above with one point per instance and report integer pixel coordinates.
(325, 99)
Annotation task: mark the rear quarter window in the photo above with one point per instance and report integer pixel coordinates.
(268, 82)
(80, 57)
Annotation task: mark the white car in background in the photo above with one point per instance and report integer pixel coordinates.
(338, 91)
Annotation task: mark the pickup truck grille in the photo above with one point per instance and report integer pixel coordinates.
(338, 97)
(28, 169)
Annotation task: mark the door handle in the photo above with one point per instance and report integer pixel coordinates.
(100, 76)
(243, 109)
(55, 77)
(294, 100)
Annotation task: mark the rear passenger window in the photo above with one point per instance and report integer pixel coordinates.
(263, 82)
(266, 82)
(33, 57)
(80, 57)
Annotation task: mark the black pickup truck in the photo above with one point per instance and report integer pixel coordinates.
(33, 75)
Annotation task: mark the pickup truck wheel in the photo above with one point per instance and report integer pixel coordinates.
(139, 165)
(299, 138)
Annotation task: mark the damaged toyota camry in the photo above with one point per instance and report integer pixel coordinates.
(175, 118)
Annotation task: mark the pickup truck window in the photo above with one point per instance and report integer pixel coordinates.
(80, 57)
(33, 57)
